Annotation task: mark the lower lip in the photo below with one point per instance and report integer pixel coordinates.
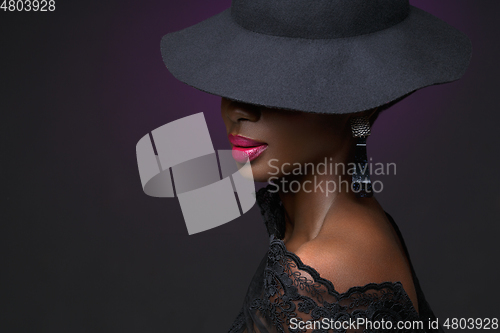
(243, 154)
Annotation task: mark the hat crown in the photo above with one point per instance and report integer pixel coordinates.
(318, 19)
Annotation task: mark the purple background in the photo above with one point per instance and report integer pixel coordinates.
(85, 250)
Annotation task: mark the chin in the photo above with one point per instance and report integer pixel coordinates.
(246, 171)
(261, 171)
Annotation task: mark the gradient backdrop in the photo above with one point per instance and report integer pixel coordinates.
(85, 250)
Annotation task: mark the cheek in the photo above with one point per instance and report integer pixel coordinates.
(308, 141)
(283, 153)
(295, 139)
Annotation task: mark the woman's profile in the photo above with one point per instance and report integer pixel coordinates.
(301, 85)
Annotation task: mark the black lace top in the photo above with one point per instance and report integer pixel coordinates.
(287, 296)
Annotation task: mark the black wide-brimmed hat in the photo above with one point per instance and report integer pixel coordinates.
(328, 56)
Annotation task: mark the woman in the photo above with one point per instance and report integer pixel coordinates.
(302, 82)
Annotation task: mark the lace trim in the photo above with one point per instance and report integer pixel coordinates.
(272, 211)
(238, 323)
(275, 242)
(288, 294)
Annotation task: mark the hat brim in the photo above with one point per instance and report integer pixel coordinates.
(342, 75)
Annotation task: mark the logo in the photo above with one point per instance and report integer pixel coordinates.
(178, 160)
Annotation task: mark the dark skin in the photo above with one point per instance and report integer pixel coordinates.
(348, 240)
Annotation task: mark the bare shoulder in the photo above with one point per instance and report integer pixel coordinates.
(357, 250)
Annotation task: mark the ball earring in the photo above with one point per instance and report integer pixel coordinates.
(361, 183)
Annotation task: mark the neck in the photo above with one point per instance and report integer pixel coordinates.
(313, 195)
(308, 200)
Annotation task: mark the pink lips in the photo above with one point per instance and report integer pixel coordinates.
(245, 148)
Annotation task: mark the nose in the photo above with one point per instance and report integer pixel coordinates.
(239, 111)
